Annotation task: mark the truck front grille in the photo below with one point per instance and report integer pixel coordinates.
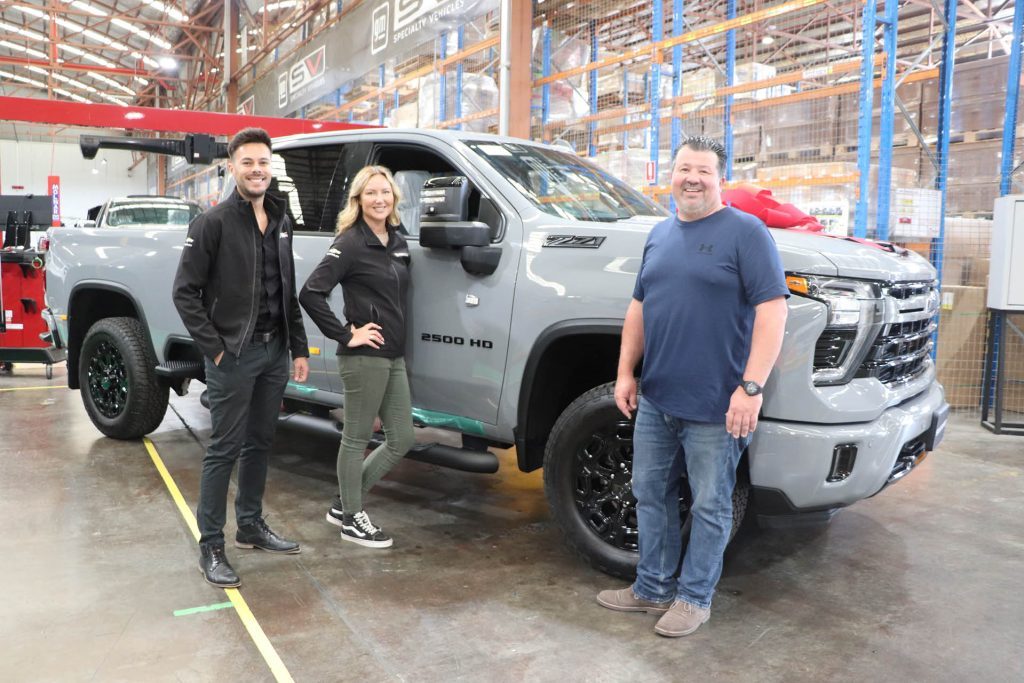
(900, 351)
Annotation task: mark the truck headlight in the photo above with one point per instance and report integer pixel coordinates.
(854, 317)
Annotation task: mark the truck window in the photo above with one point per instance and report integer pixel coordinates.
(153, 213)
(563, 184)
(411, 165)
(313, 182)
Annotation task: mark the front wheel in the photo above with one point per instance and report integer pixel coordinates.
(118, 383)
(588, 471)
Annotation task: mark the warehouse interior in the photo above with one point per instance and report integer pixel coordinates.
(897, 121)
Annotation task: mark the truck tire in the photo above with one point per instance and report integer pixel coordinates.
(118, 384)
(588, 466)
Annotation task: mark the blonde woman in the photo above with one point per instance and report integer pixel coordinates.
(369, 258)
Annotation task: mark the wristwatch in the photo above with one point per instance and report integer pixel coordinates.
(751, 388)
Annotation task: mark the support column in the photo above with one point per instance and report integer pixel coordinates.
(1012, 98)
(231, 57)
(730, 80)
(657, 35)
(545, 90)
(945, 114)
(865, 113)
(519, 69)
(592, 126)
(459, 46)
(886, 116)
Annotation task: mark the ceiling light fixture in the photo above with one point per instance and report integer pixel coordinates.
(22, 48)
(166, 9)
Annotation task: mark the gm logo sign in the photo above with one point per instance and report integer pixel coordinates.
(379, 33)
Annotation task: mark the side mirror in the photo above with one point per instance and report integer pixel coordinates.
(88, 224)
(444, 215)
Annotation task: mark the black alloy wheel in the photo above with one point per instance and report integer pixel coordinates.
(588, 472)
(117, 376)
(108, 380)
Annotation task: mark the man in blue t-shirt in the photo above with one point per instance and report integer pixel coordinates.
(708, 316)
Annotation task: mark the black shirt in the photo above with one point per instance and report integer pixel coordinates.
(269, 318)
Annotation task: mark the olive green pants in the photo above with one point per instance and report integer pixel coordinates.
(373, 386)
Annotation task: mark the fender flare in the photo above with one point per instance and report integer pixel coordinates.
(74, 345)
(551, 334)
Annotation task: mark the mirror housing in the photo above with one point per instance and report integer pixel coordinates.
(480, 260)
(454, 235)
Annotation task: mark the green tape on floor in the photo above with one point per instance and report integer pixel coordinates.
(204, 608)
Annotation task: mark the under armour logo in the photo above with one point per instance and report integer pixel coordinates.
(706, 248)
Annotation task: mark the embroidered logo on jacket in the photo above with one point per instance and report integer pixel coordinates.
(336, 253)
(188, 241)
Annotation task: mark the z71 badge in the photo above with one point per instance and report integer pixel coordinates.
(574, 241)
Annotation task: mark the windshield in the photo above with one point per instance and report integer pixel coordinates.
(152, 214)
(564, 185)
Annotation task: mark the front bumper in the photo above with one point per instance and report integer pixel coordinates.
(795, 460)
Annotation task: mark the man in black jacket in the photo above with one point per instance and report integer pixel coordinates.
(235, 292)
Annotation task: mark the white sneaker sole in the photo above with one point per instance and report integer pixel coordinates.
(332, 520)
(368, 544)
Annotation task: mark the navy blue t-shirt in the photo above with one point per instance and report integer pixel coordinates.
(699, 282)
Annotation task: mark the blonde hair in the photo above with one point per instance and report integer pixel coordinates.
(353, 212)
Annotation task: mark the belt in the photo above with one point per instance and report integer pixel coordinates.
(264, 337)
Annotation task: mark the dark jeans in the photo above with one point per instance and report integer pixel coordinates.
(245, 395)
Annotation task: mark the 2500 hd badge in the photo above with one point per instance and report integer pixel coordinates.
(458, 341)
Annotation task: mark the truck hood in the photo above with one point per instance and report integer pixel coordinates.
(801, 252)
(817, 254)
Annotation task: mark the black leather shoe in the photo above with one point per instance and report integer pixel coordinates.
(259, 535)
(213, 563)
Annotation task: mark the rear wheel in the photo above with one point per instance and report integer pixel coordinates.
(117, 379)
(588, 466)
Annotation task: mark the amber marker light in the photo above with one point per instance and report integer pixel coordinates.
(797, 284)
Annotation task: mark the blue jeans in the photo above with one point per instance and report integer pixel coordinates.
(664, 449)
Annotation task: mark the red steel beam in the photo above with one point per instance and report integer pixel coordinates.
(149, 118)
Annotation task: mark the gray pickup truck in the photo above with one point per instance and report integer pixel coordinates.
(524, 261)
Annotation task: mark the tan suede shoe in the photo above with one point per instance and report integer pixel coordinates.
(623, 600)
(681, 619)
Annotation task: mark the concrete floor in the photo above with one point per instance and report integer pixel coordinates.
(922, 583)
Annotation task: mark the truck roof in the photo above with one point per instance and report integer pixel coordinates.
(403, 133)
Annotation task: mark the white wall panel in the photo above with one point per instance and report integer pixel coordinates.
(29, 164)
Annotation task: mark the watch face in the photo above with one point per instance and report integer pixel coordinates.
(752, 388)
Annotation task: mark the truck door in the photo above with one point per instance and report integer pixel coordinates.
(313, 183)
(459, 323)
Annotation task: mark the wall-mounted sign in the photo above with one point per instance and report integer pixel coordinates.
(371, 34)
(53, 184)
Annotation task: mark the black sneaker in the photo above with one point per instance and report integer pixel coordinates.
(335, 515)
(259, 535)
(213, 563)
(358, 529)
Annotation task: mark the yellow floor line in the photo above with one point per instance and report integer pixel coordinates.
(55, 386)
(270, 655)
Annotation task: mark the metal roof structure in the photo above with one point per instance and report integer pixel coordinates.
(156, 53)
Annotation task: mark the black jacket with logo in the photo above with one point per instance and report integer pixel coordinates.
(374, 282)
(217, 286)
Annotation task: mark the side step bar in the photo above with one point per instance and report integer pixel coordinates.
(180, 369)
(464, 459)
